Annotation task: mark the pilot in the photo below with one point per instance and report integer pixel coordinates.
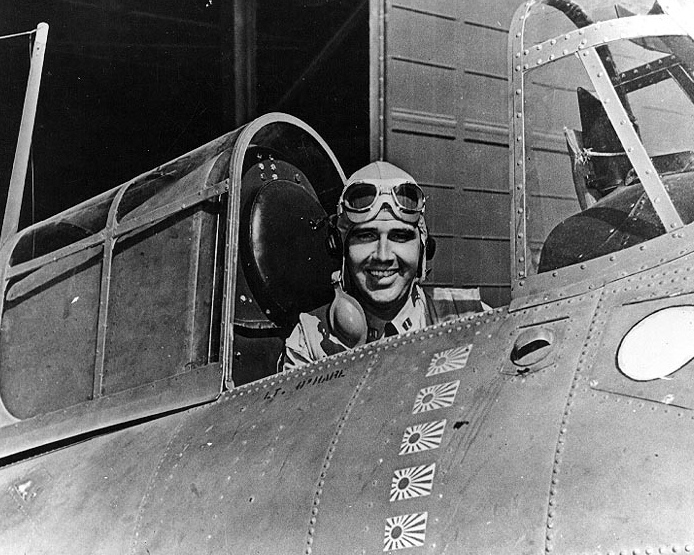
(380, 233)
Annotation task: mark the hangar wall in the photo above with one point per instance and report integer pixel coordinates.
(439, 110)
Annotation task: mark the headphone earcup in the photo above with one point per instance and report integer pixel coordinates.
(333, 242)
(430, 248)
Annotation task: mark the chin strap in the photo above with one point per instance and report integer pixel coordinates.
(346, 316)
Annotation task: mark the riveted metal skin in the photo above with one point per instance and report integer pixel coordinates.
(631, 438)
(318, 460)
(307, 462)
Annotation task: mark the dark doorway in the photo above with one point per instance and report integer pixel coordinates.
(130, 84)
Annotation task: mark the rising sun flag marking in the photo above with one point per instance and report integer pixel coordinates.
(435, 397)
(416, 481)
(405, 531)
(450, 360)
(422, 437)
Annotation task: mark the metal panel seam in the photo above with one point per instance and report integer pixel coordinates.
(150, 487)
(331, 451)
(593, 337)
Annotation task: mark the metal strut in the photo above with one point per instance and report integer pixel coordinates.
(10, 222)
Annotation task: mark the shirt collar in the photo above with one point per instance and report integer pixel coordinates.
(412, 316)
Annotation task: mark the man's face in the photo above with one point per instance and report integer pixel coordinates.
(382, 257)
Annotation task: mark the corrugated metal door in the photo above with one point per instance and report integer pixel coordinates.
(445, 120)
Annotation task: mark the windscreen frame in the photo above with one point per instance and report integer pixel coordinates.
(582, 43)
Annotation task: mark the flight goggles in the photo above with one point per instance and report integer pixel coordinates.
(362, 201)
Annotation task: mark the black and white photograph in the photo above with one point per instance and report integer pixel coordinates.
(326, 277)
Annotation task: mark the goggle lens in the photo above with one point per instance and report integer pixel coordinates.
(360, 196)
(409, 196)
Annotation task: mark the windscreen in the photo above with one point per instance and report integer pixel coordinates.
(602, 125)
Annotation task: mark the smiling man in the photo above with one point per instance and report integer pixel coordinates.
(380, 233)
(382, 258)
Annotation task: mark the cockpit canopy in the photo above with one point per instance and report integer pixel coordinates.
(152, 295)
(603, 111)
